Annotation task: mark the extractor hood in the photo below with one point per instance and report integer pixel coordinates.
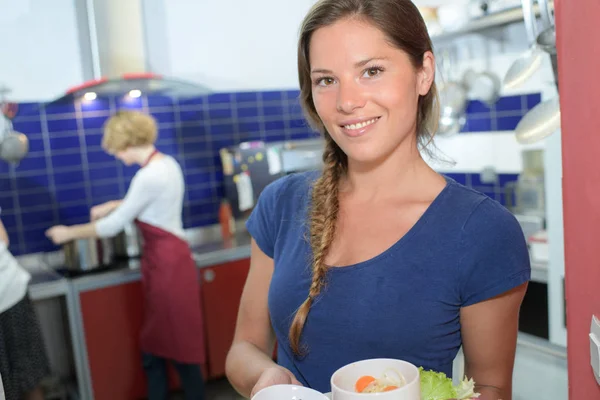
(113, 39)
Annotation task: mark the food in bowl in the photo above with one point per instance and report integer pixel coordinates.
(390, 380)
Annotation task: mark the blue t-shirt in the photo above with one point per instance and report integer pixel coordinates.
(403, 303)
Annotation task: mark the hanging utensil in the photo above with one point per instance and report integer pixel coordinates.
(13, 145)
(453, 102)
(529, 62)
(541, 121)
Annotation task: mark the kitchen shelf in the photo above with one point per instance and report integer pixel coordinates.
(488, 22)
(539, 272)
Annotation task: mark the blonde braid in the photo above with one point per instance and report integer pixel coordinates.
(323, 219)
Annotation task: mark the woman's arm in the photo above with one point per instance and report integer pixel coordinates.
(489, 332)
(249, 364)
(3, 234)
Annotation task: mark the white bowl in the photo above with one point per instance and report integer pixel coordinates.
(288, 392)
(344, 379)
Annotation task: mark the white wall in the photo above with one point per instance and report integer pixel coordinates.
(39, 50)
(229, 45)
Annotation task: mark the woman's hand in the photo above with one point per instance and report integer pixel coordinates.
(102, 210)
(274, 376)
(59, 234)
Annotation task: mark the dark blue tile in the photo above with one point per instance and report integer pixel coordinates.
(219, 143)
(66, 160)
(304, 135)
(68, 178)
(93, 140)
(160, 101)
(220, 114)
(62, 125)
(198, 162)
(36, 144)
(34, 200)
(98, 157)
(165, 117)
(38, 183)
(508, 103)
(274, 125)
(65, 142)
(508, 123)
(9, 220)
(94, 122)
(95, 106)
(246, 97)
(103, 172)
(298, 123)
(199, 194)
(38, 217)
(191, 115)
(202, 220)
(28, 109)
(247, 112)
(219, 98)
(62, 108)
(477, 107)
(28, 127)
(39, 247)
(109, 189)
(292, 108)
(533, 100)
(194, 178)
(292, 94)
(479, 124)
(130, 103)
(503, 179)
(194, 146)
(33, 163)
(248, 126)
(221, 129)
(192, 101)
(460, 178)
(74, 214)
(277, 137)
(271, 96)
(273, 111)
(171, 148)
(211, 209)
(66, 195)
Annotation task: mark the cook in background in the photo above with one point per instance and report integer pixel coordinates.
(406, 263)
(23, 359)
(172, 330)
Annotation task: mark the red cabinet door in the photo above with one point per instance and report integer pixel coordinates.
(112, 320)
(222, 287)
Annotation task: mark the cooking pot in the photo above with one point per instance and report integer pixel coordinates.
(87, 254)
(128, 243)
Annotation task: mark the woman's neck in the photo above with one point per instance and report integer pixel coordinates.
(398, 174)
(143, 154)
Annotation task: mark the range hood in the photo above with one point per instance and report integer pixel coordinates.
(113, 39)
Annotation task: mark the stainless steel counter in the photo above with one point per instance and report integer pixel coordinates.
(45, 284)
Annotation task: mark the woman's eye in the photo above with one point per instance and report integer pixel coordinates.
(325, 81)
(371, 72)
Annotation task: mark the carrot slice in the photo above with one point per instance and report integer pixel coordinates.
(389, 388)
(363, 382)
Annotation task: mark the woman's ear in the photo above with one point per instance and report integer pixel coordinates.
(426, 74)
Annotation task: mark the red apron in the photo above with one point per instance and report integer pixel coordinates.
(173, 326)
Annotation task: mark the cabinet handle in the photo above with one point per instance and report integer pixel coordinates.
(209, 275)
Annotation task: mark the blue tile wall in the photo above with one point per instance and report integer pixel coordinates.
(66, 171)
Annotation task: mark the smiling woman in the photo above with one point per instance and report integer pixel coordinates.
(377, 255)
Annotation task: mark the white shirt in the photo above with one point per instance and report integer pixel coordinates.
(155, 197)
(14, 279)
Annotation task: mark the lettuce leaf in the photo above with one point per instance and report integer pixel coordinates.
(437, 386)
